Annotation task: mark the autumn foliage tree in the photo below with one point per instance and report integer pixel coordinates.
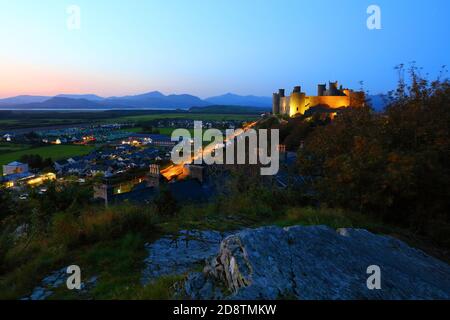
(394, 164)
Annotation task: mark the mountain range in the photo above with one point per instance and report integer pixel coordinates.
(153, 99)
(150, 100)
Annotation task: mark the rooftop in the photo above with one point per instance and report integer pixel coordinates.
(15, 163)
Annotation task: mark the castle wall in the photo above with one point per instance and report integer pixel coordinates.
(333, 102)
(299, 103)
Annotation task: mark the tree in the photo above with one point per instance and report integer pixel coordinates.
(394, 165)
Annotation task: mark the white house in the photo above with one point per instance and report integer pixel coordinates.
(15, 167)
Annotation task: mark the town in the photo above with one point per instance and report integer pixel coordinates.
(121, 160)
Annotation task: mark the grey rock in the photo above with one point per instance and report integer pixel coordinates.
(319, 263)
(180, 254)
(199, 287)
(55, 280)
(38, 294)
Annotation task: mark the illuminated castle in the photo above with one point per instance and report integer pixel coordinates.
(333, 97)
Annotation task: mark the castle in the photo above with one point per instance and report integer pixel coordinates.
(333, 97)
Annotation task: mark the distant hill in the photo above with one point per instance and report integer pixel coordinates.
(154, 99)
(61, 103)
(231, 99)
(92, 97)
(22, 99)
(229, 109)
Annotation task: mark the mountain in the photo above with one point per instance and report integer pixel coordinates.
(143, 96)
(22, 99)
(154, 99)
(237, 100)
(61, 103)
(230, 109)
(92, 97)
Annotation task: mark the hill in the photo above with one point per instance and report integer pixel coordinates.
(237, 100)
(226, 109)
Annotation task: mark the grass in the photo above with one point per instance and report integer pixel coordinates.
(334, 218)
(11, 147)
(8, 121)
(133, 130)
(163, 288)
(190, 116)
(56, 152)
(168, 131)
(112, 246)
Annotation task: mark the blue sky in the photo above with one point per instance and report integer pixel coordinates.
(213, 47)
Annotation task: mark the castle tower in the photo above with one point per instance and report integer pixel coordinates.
(276, 103)
(333, 90)
(277, 100)
(297, 102)
(321, 89)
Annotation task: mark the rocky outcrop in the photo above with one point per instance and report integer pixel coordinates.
(176, 255)
(317, 263)
(55, 280)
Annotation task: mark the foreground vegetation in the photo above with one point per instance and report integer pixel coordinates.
(62, 227)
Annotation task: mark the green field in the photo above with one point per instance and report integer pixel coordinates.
(6, 147)
(134, 130)
(56, 152)
(8, 121)
(190, 116)
(166, 130)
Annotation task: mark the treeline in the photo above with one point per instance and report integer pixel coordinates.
(393, 165)
(36, 162)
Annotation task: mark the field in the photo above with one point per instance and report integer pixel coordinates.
(22, 120)
(190, 116)
(9, 147)
(55, 152)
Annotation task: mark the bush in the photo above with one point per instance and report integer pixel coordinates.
(100, 225)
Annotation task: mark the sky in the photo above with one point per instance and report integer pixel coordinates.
(208, 48)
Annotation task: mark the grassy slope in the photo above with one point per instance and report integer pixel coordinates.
(119, 262)
(55, 152)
